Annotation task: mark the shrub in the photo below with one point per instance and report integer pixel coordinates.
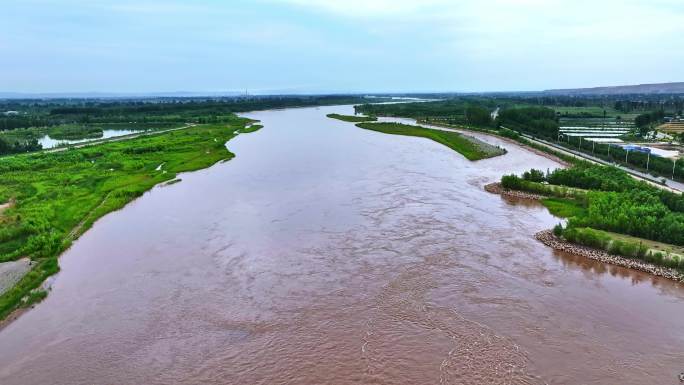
(558, 230)
(658, 258)
(629, 249)
(534, 175)
(511, 182)
(615, 247)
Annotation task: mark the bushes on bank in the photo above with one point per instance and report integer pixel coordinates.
(599, 240)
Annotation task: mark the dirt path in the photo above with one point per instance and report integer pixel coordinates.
(76, 230)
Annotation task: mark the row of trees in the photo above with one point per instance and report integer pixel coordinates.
(615, 203)
(647, 119)
(656, 165)
(13, 122)
(637, 213)
(537, 121)
(7, 147)
(601, 178)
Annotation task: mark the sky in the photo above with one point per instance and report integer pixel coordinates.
(317, 46)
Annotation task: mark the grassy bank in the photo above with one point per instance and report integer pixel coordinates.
(352, 118)
(58, 196)
(469, 147)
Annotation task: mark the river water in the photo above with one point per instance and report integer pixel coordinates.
(328, 254)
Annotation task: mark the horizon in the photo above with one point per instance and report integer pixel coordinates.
(375, 46)
(237, 93)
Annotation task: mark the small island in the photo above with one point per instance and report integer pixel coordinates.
(352, 118)
(468, 146)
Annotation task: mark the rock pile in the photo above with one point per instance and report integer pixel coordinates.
(497, 188)
(549, 239)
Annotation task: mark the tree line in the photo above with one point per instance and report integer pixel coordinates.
(615, 201)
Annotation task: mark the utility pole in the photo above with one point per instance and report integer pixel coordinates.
(673, 167)
(593, 146)
(626, 153)
(648, 160)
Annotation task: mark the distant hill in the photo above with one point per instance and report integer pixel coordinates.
(657, 88)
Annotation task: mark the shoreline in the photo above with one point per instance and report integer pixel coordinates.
(536, 151)
(95, 214)
(497, 188)
(551, 240)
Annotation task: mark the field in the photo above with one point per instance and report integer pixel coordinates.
(469, 147)
(57, 196)
(672, 128)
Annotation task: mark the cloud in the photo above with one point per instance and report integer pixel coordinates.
(359, 44)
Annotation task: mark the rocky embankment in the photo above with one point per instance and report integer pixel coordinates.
(497, 188)
(549, 239)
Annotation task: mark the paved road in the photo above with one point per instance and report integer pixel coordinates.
(669, 184)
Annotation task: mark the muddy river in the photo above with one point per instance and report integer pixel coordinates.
(328, 254)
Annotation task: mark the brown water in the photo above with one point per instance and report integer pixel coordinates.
(327, 254)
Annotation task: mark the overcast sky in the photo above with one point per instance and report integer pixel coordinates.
(336, 46)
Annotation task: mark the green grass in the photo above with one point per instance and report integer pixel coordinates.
(658, 253)
(75, 132)
(352, 119)
(564, 208)
(653, 246)
(251, 128)
(469, 147)
(60, 195)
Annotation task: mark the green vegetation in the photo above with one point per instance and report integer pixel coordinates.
(452, 111)
(564, 208)
(76, 119)
(536, 121)
(629, 247)
(469, 147)
(75, 132)
(60, 195)
(606, 201)
(16, 146)
(648, 119)
(352, 119)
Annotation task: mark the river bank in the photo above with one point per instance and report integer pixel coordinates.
(541, 151)
(103, 178)
(497, 188)
(549, 239)
(468, 146)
